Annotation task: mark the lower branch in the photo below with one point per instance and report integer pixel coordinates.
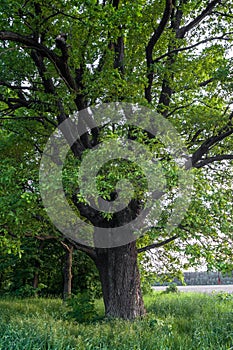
(157, 245)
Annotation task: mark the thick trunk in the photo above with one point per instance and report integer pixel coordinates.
(67, 273)
(120, 281)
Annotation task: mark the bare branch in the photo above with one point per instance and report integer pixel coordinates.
(66, 247)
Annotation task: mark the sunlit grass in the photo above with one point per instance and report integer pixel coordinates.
(174, 321)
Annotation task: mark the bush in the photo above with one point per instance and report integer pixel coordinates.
(82, 307)
(172, 288)
(28, 291)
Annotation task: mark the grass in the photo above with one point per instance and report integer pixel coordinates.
(174, 321)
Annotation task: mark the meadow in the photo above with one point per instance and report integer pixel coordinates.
(174, 321)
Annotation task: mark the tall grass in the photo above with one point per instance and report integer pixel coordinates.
(174, 321)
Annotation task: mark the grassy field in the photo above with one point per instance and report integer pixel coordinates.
(174, 321)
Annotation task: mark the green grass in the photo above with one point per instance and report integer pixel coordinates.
(174, 321)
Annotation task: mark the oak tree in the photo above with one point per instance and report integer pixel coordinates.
(172, 56)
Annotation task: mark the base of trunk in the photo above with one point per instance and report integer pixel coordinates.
(120, 280)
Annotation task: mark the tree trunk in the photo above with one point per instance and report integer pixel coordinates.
(120, 281)
(35, 279)
(37, 264)
(67, 271)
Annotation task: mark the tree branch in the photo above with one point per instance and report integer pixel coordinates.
(30, 43)
(180, 107)
(15, 103)
(222, 37)
(63, 14)
(212, 141)
(222, 14)
(216, 158)
(206, 82)
(158, 32)
(115, 3)
(151, 44)
(60, 63)
(17, 87)
(207, 11)
(88, 250)
(157, 245)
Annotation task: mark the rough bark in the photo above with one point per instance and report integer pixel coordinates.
(120, 281)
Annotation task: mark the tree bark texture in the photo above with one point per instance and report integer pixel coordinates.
(120, 281)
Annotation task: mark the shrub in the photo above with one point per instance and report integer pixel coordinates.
(172, 288)
(82, 307)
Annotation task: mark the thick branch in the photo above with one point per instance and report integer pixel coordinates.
(30, 43)
(119, 54)
(150, 47)
(210, 142)
(207, 11)
(39, 62)
(61, 44)
(158, 32)
(59, 62)
(167, 91)
(115, 3)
